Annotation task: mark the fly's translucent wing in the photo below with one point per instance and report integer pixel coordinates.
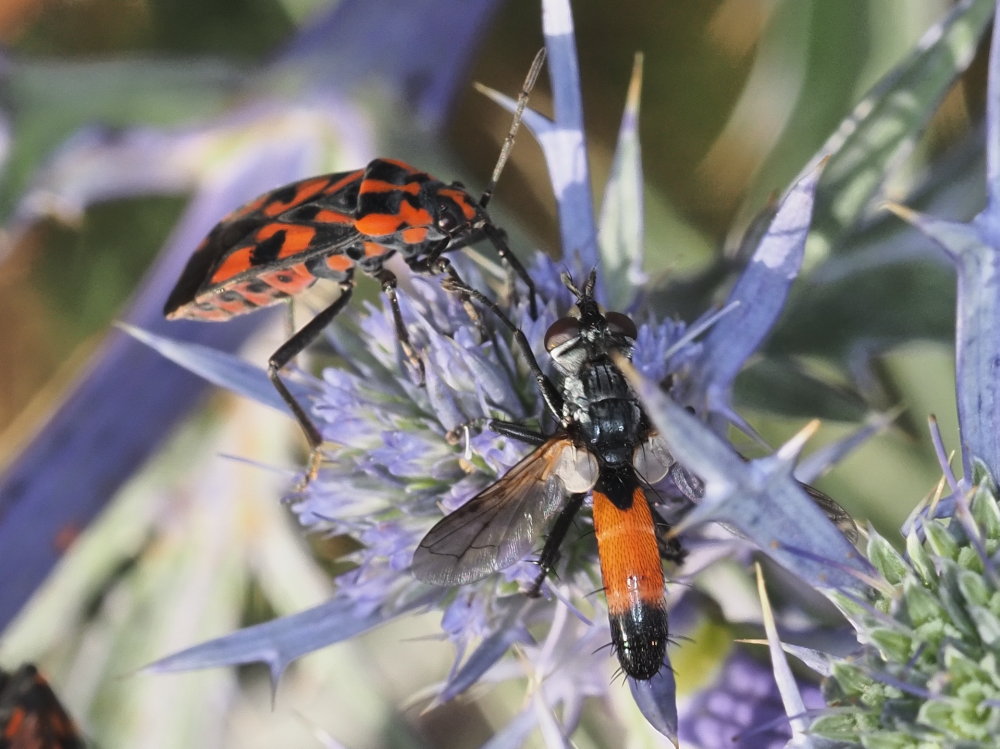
(693, 488)
(501, 524)
(652, 459)
(837, 514)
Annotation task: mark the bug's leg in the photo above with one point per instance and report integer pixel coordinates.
(288, 351)
(435, 264)
(553, 400)
(496, 236)
(388, 280)
(550, 552)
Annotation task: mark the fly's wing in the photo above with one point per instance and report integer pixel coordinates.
(693, 489)
(265, 243)
(501, 524)
(837, 514)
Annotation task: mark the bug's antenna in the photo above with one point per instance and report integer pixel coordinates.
(508, 143)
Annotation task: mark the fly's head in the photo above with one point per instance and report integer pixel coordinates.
(588, 334)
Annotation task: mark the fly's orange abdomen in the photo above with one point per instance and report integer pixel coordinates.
(633, 582)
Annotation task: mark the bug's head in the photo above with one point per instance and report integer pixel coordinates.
(589, 332)
(456, 213)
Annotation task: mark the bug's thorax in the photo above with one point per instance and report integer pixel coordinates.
(409, 211)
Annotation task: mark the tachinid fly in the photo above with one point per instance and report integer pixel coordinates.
(604, 447)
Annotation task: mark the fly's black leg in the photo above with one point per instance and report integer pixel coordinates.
(388, 280)
(288, 351)
(553, 400)
(670, 547)
(516, 431)
(550, 552)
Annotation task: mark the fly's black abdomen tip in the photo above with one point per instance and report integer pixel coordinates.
(639, 637)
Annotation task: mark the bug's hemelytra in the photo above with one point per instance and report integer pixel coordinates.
(605, 447)
(325, 227)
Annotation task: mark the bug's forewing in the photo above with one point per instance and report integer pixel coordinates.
(498, 526)
(276, 230)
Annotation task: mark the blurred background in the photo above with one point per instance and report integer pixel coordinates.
(737, 96)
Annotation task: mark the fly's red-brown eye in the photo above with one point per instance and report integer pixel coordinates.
(561, 331)
(621, 324)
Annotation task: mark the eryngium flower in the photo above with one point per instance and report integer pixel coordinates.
(927, 672)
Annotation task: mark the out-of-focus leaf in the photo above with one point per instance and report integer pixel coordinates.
(783, 387)
(51, 100)
(423, 55)
(279, 642)
(620, 236)
(757, 298)
(836, 318)
(887, 121)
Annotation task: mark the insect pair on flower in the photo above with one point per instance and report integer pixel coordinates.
(279, 244)
(603, 445)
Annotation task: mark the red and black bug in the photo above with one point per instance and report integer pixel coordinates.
(31, 716)
(604, 447)
(325, 227)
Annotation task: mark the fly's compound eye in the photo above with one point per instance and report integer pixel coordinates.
(621, 324)
(561, 331)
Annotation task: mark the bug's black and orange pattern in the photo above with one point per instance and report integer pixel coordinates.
(31, 716)
(282, 242)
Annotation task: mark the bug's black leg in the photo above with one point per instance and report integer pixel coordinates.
(550, 552)
(496, 236)
(435, 264)
(388, 281)
(553, 400)
(288, 351)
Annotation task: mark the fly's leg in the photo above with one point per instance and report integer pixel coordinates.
(288, 351)
(516, 431)
(550, 552)
(670, 547)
